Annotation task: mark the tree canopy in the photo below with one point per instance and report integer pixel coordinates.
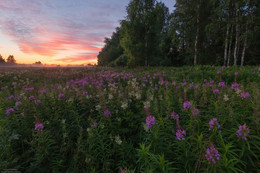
(197, 32)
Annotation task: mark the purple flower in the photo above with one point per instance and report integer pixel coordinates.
(31, 98)
(180, 134)
(11, 97)
(195, 111)
(107, 113)
(235, 86)
(221, 84)
(43, 91)
(18, 103)
(212, 155)
(38, 125)
(124, 171)
(174, 116)
(9, 111)
(191, 86)
(150, 122)
(215, 91)
(94, 124)
(184, 83)
(204, 86)
(218, 72)
(236, 73)
(211, 81)
(186, 105)
(243, 132)
(37, 102)
(214, 124)
(245, 95)
(173, 83)
(61, 96)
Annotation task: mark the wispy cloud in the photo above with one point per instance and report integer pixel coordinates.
(54, 28)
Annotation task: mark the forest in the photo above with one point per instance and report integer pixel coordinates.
(197, 32)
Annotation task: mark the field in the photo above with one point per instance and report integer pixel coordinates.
(188, 119)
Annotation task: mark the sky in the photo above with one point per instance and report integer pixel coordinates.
(64, 32)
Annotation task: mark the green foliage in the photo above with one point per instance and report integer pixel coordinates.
(100, 124)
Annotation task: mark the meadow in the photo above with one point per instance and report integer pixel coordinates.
(149, 119)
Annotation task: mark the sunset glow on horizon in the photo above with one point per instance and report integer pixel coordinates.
(69, 32)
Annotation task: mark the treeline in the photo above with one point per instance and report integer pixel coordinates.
(219, 32)
(9, 61)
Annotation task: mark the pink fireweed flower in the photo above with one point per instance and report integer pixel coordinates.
(124, 171)
(184, 84)
(18, 103)
(243, 132)
(212, 155)
(107, 113)
(215, 91)
(11, 97)
(186, 105)
(61, 96)
(37, 102)
(235, 86)
(180, 134)
(38, 125)
(245, 95)
(236, 73)
(221, 84)
(214, 124)
(150, 122)
(218, 72)
(9, 111)
(195, 111)
(174, 116)
(31, 98)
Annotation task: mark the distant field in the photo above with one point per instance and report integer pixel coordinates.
(151, 119)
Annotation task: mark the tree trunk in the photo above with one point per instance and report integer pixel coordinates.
(244, 47)
(226, 46)
(197, 36)
(237, 35)
(230, 45)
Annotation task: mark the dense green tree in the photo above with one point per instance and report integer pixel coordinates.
(2, 60)
(142, 31)
(11, 59)
(111, 50)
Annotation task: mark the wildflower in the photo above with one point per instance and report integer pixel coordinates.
(204, 86)
(31, 98)
(215, 91)
(191, 86)
(184, 83)
(214, 123)
(18, 103)
(226, 98)
(11, 97)
(174, 116)
(61, 96)
(38, 125)
(173, 83)
(150, 122)
(212, 155)
(37, 102)
(124, 105)
(42, 92)
(243, 132)
(236, 73)
(235, 86)
(9, 111)
(195, 111)
(245, 95)
(186, 105)
(180, 134)
(221, 84)
(118, 140)
(211, 81)
(124, 170)
(218, 72)
(107, 113)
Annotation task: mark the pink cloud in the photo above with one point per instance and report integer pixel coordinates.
(79, 58)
